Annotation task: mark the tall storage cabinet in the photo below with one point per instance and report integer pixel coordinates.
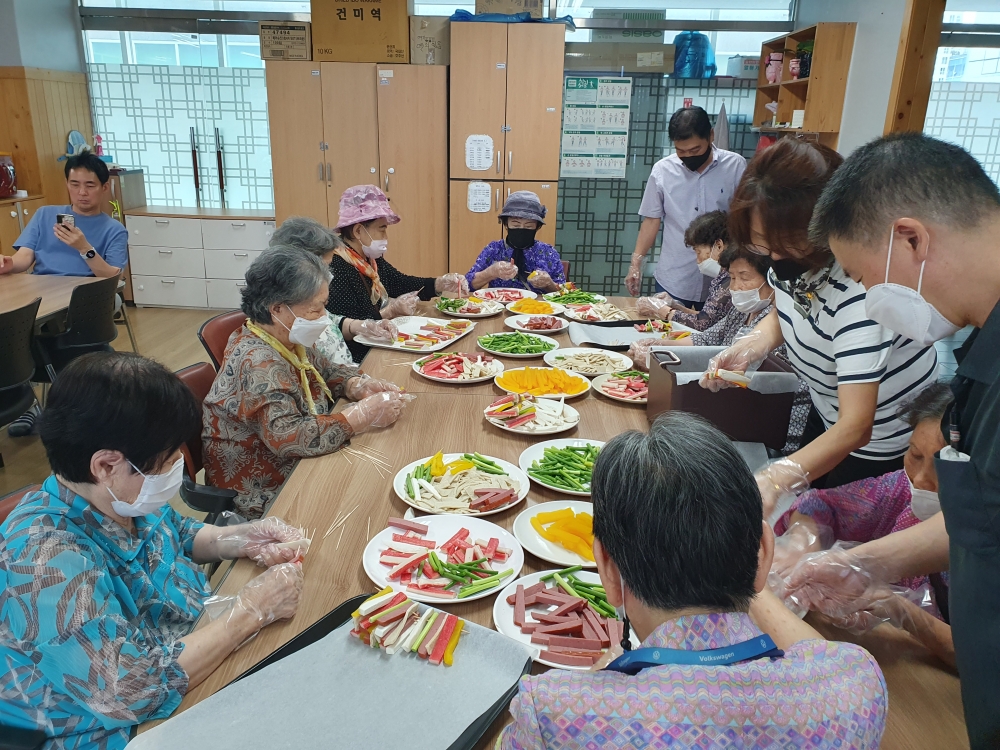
(334, 125)
(506, 83)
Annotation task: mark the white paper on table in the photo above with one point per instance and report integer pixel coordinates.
(479, 153)
(480, 198)
(339, 693)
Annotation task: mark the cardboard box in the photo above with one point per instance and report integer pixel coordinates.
(360, 31)
(629, 36)
(430, 40)
(537, 8)
(611, 57)
(285, 40)
(743, 66)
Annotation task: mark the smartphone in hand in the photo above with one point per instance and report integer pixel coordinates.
(66, 220)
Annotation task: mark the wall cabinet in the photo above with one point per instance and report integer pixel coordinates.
(334, 125)
(15, 213)
(506, 82)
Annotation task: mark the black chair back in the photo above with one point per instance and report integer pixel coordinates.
(91, 316)
(17, 329)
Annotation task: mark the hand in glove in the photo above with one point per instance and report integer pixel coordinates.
(405, 304)
(780, 478)
(633, 279)
(363, 385)
(258, 541)
(378, 330)
(503, 270)
(744, 355)
(452, 283)
(273, 595)
(378, 410)
(657, 307)
(541, 280)
(639, 351)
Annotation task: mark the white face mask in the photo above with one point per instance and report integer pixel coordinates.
(904, 311)
(305, 331)
(376, 249)
(156, 491)
(923, 503)
(749, 301)
(710, 267)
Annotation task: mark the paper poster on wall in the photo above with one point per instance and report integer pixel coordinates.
(479, 152)
(595, 126)
(478, 200)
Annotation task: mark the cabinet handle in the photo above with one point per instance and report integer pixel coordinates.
(510, 162)
(238, 223)
(13, 214)
(498, 199)
(242, 255)
(25, 212)
(167, 281)
(329, 174)
(166, 252)
(321, 171)
(161, 221)
(499, 157)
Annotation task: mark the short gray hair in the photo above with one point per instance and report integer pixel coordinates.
(282, 275)
(307, 234)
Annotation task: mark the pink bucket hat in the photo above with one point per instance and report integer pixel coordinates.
(363, 203)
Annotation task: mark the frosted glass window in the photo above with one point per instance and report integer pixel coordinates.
(968, 113)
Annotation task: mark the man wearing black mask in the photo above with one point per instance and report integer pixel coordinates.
(694, 180)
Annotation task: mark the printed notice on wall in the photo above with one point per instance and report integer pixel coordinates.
(595, 127)
(478, 152)
(479, 198)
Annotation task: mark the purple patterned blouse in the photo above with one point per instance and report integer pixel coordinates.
(539, 257)
(821, 695)
(717, 305)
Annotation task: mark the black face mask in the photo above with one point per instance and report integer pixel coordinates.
(788, 269)
(521, 239)
(694, 163)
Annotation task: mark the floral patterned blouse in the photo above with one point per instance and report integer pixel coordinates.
(717, 305)
(821, 695)
(257, 424)
(538, 257)
(90, 618)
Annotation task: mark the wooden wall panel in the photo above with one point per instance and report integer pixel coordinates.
(911, 81)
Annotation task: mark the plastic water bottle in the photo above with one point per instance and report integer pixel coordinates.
(693, 56)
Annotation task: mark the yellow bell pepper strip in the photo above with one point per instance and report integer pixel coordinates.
(555, 515)
(437, 465)
(449, 652)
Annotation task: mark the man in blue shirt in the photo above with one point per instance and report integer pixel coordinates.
(89, 244)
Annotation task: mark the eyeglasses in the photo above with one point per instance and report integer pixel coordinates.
(757, 249)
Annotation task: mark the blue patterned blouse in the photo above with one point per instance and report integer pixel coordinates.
(90, 617)
(538, 257)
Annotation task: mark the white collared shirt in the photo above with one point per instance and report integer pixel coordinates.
(676, 195)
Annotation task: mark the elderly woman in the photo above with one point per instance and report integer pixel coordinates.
(519, 260)
(858, 372)
(272, 400)
(309, 235)
(683, 552)
(365, 285)
(708, 236)
(100, 583)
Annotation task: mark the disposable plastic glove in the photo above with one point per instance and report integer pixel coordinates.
(658, 306)
(404, 304)
(378, 330)
(743, 356)
(363, 385)
(452, 283)
(271, 596)
(639, 351)
(633, 279)
(503, 270)
(258, 541)
(541, 280)
(778, 480)
(378, 410)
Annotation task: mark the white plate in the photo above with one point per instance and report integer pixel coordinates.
(399, 484)
(543, 548)
(538, 336)
(599, 297)
(548, 395)
(411, 324)
(536, 452)
(568, 411)
(497, 364)
(551, 359)
(515, 321)
(599, 382)
(495, 308)
(556, 309)
(503, 614)
(525, 293)
(441, 529)
(571, 314)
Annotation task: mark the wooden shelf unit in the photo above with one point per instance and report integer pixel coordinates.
(821, 94)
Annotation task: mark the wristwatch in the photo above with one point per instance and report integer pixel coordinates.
(89, 255)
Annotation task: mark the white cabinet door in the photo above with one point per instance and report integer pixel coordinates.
(236, 234)
(188, 262)
(163, 231)
(224, 293)
(169, 292)
(228, 264)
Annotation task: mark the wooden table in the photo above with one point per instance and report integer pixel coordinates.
(449, 418)
(19, 289)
